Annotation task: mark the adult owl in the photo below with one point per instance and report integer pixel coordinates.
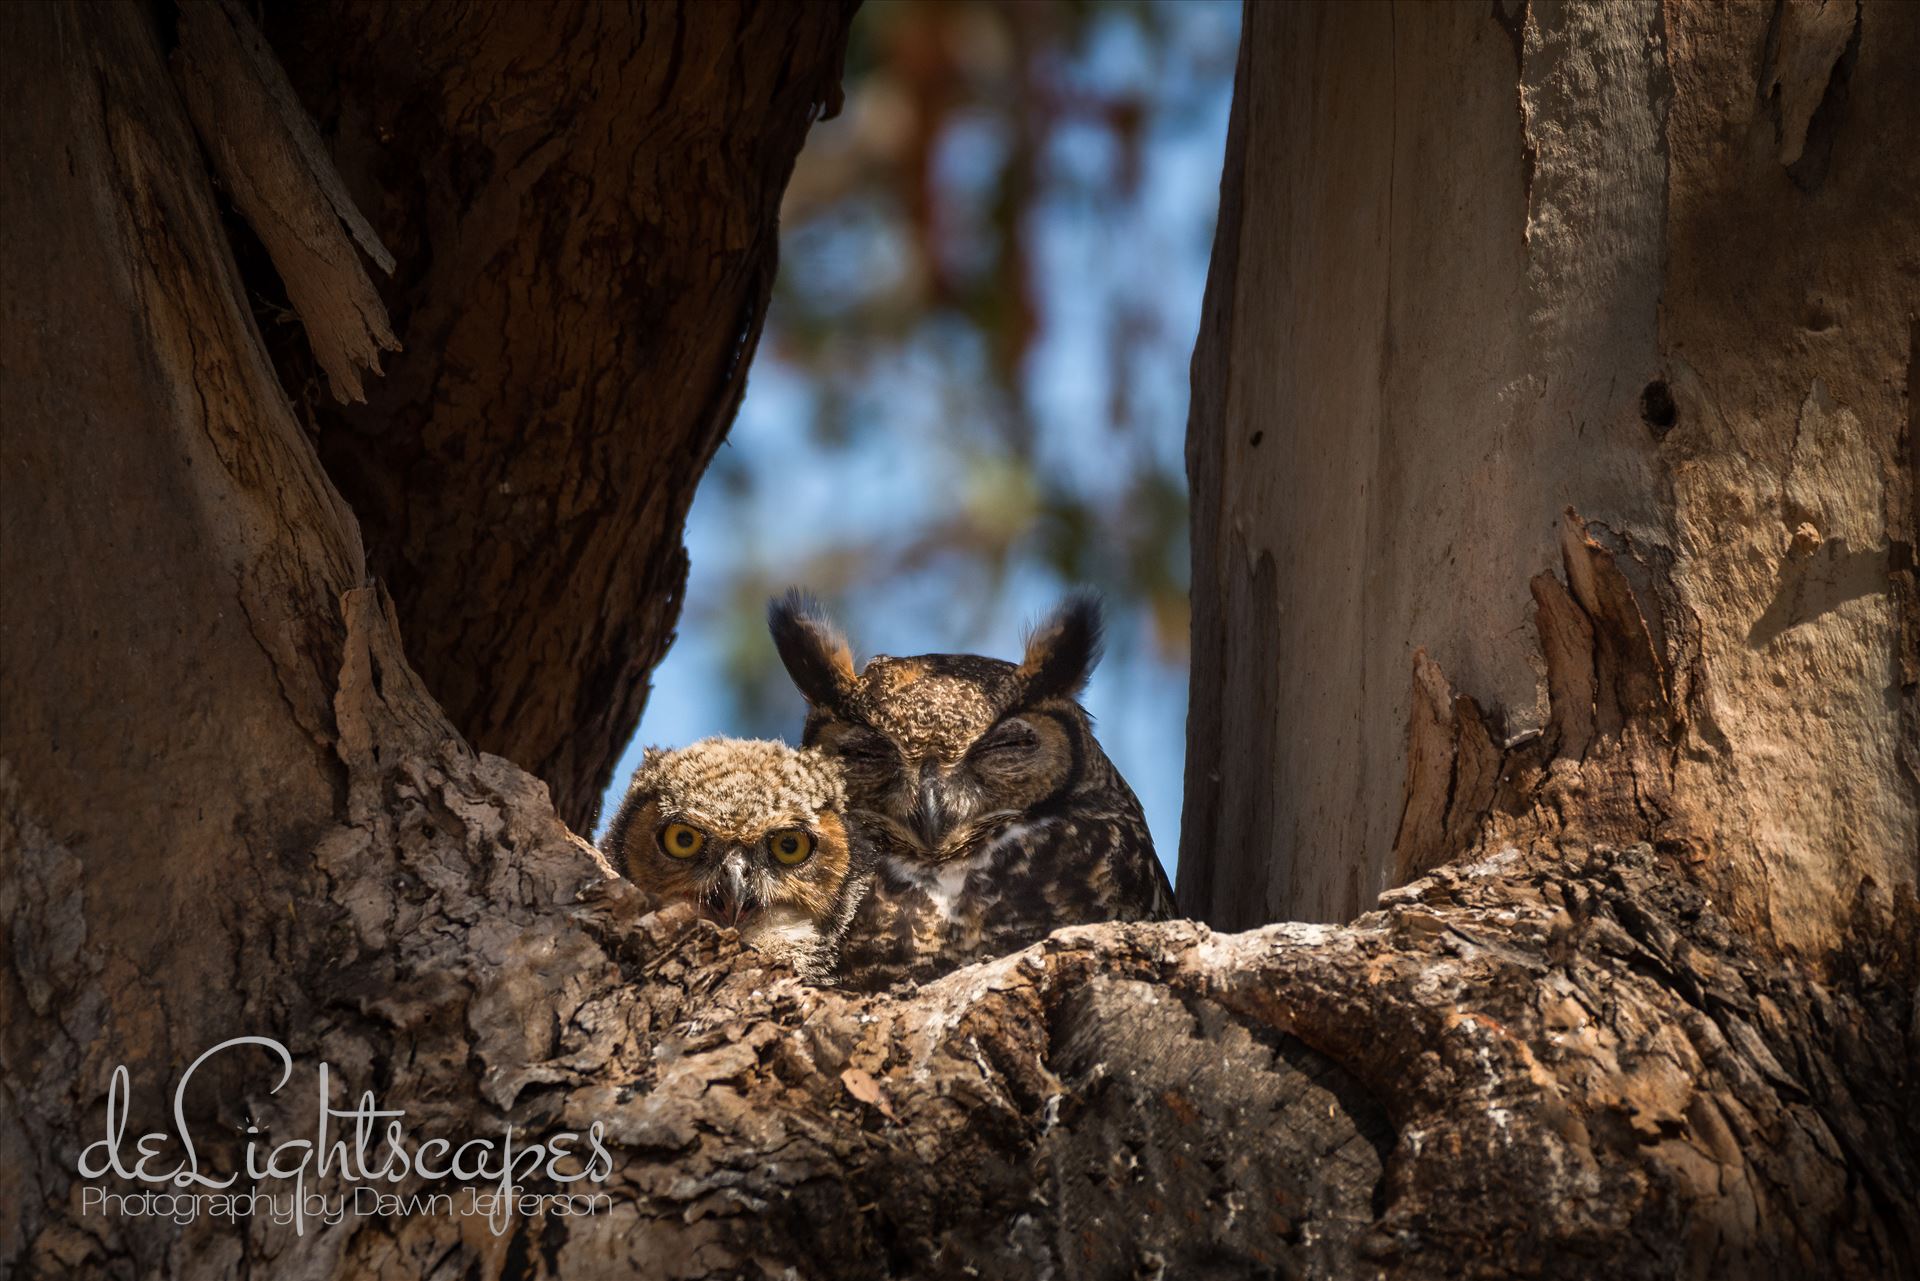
(752, 832)
(994, 814)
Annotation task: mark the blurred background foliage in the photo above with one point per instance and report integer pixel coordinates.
(971, 391)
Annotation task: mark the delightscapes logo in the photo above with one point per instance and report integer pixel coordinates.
(358, 1161)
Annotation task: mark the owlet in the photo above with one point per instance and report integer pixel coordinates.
(753, 832)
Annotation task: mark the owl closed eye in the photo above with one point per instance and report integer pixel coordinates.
(752, 833)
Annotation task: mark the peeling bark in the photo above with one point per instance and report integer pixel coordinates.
(1804, 75)
(269, 158)
(584, 200)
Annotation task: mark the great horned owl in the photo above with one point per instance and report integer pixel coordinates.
(754, 833)
(995, 816)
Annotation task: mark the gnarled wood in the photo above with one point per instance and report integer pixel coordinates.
(1551, 1058)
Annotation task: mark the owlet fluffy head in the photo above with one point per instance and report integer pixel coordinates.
(752, 832)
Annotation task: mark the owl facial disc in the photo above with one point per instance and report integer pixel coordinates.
(754, 835)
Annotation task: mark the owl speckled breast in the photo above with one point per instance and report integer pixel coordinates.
(919, 922)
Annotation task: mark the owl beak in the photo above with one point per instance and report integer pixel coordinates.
(736, 900)
(930, 813)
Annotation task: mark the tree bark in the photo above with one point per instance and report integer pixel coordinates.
(229, 804)
(1478, 266)
(584, 202)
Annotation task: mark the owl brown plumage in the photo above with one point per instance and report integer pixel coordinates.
(754, 833)
(995, 816)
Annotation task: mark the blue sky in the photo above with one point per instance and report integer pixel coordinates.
(784, 497)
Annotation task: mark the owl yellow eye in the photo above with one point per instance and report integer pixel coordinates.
(791, 847)
(680, 840)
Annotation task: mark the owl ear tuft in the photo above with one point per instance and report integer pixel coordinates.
(814, 651)
(1062, 650)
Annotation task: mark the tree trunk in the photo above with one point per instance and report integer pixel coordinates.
(1477, 267)
(1577, 1046)
(584, 203)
